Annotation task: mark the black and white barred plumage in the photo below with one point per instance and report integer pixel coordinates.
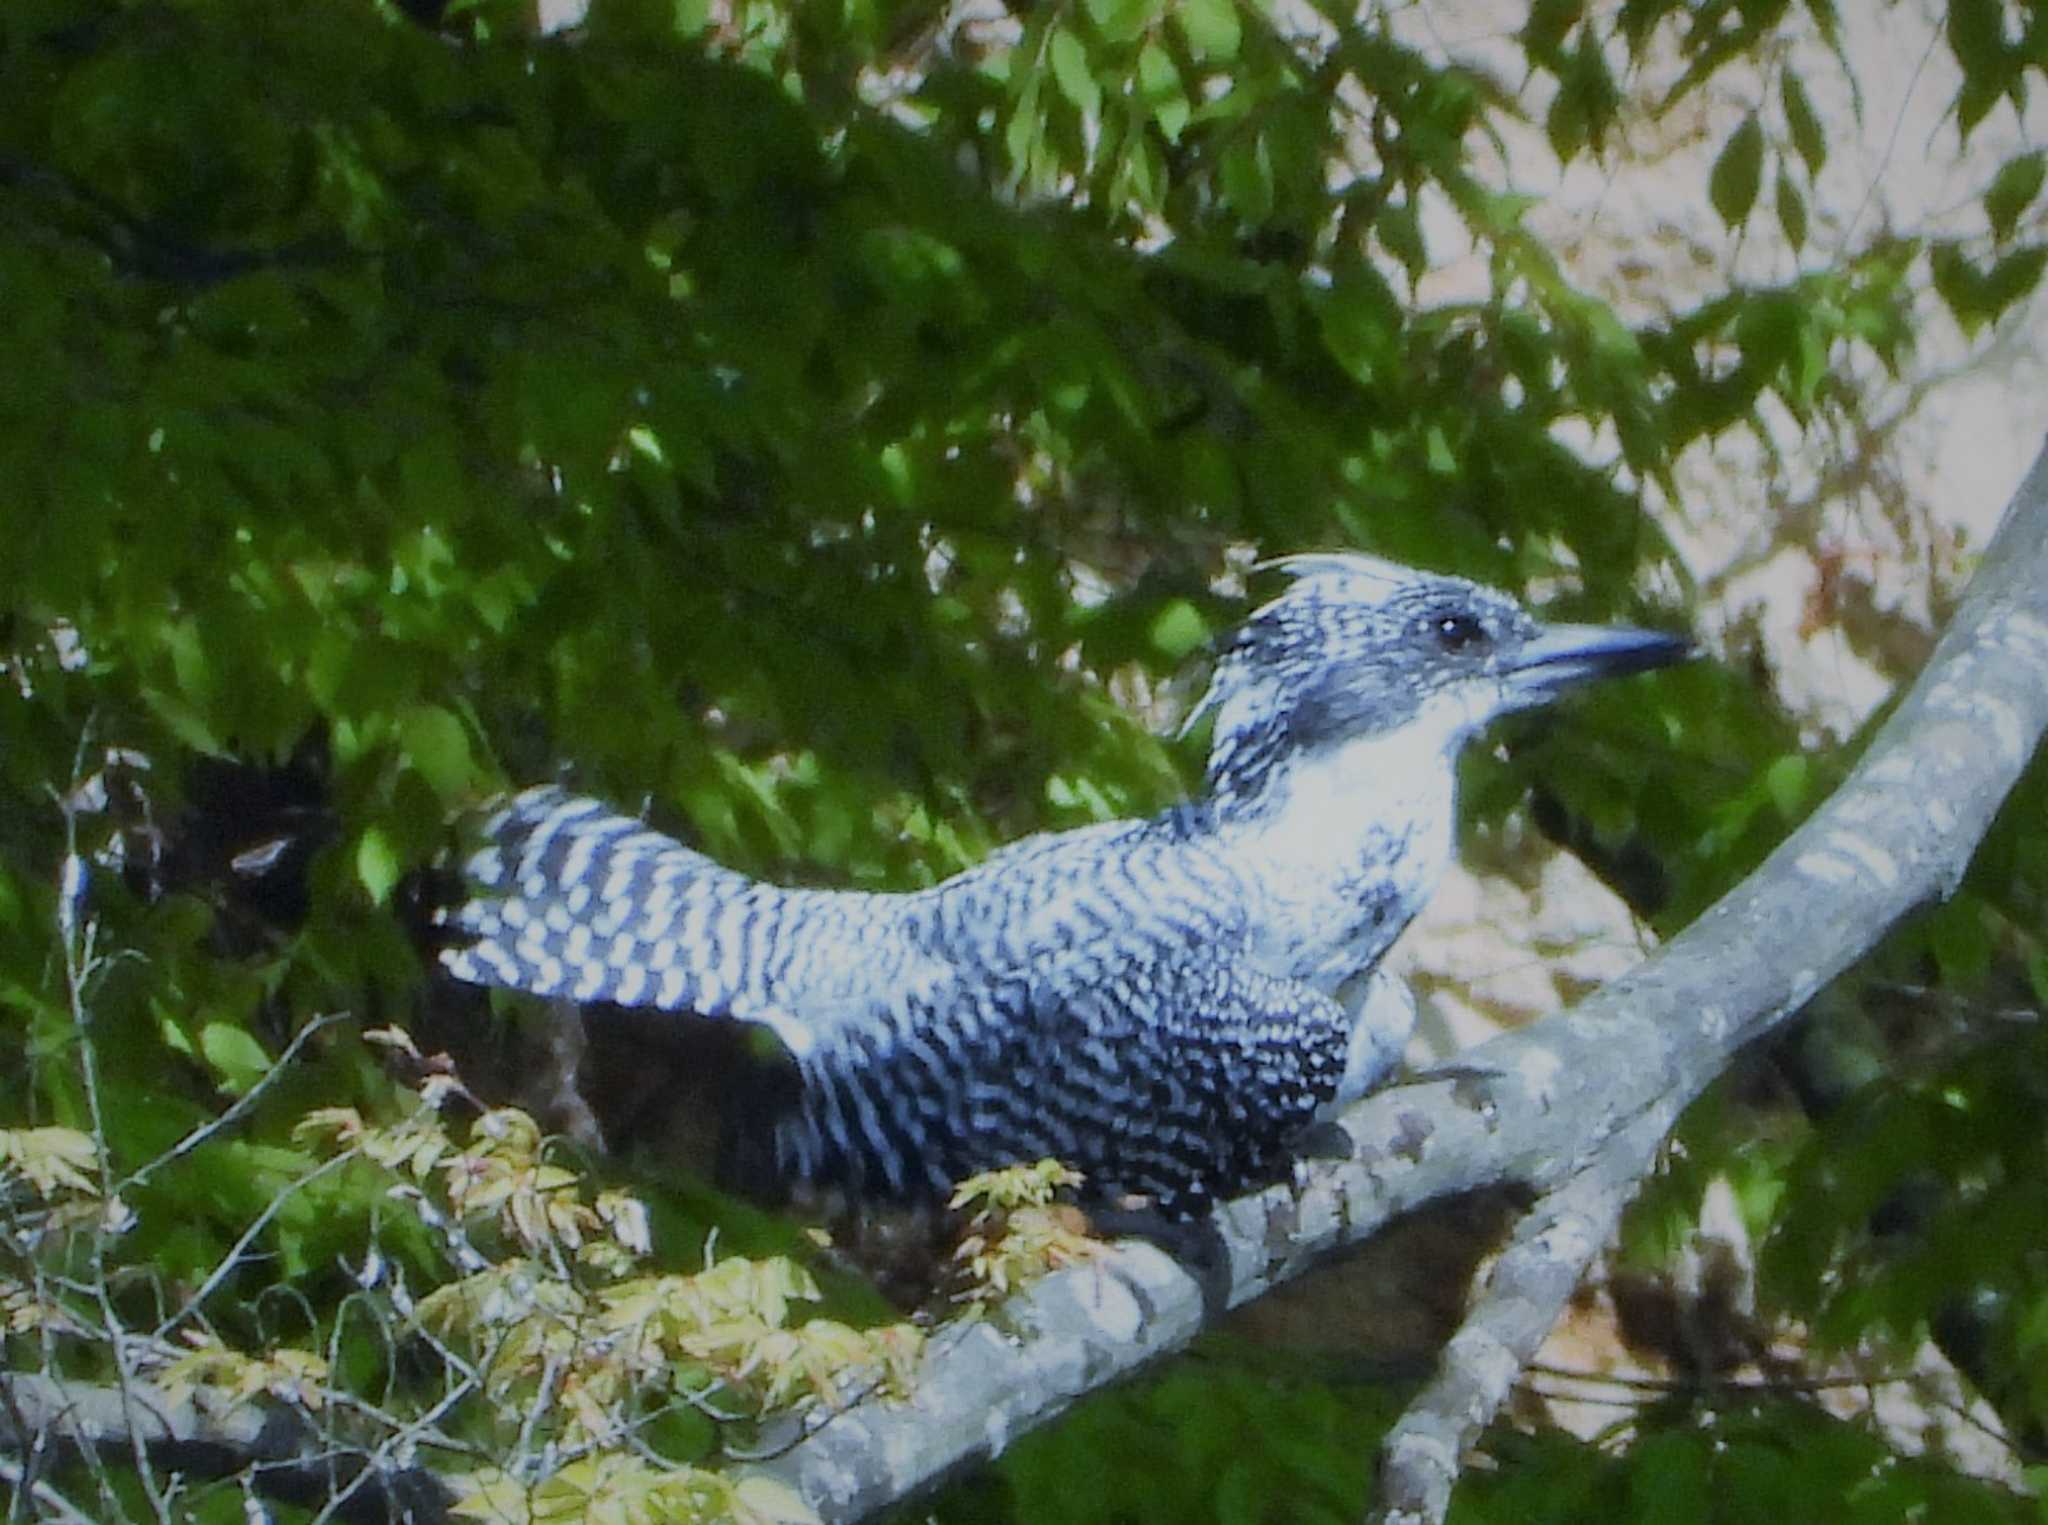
(1162, 1003)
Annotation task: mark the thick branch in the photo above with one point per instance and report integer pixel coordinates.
(277, 1448)
(1573, 1094)
(1518, 1304)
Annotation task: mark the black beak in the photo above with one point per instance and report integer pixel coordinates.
(1564, 656)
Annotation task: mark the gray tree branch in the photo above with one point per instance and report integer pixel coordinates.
(276, 1448)
(1572, 1107)
(1521, 1298)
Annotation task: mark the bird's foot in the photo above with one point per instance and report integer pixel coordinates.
(1454, 1070)
(1195, 1244)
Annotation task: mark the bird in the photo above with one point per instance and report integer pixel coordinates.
(1165, 1004)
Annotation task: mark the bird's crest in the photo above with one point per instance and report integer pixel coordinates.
(1348, 572)
(1351, 576)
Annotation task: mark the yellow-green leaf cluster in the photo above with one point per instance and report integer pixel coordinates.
(1015, 1186)
(503, 1175)
(563, 1320)
(1019, 1231)
(614, 1488)
(609, 1348)
(297, 1377)
(54, 1162)
(25, 1311)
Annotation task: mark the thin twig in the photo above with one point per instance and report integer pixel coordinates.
(1706, 1387)
(25, 1486)
(77, 938)
(242, 1103)
(423, 1431)
(232, 1261)
(543, 1394)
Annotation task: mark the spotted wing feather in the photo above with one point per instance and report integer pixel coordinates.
(1176, 1082)
(571, 899)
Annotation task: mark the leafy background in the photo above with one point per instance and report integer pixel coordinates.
(840, 428)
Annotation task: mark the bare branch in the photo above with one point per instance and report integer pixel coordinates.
(1523, 1295)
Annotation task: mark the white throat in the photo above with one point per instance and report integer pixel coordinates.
(1329, 808)
(1342, 800)
(1366, 825)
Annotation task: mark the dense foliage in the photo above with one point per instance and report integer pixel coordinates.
(837, 425)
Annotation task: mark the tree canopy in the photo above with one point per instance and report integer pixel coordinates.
(840, 429)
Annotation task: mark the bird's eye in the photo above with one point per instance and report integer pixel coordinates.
(1456, 632)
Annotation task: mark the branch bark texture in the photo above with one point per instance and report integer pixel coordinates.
(274, 1447)
(1572, 1107)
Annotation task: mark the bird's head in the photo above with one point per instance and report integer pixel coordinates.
(1357, 648)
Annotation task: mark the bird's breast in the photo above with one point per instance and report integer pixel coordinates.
(1343, 866)
(1324, 926)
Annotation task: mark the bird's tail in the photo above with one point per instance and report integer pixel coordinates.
(569, 898)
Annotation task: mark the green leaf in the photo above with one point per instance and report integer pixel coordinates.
(1978, 297)
(2013, 190)
(1247, 174)
(1957, 284)
(184, 722)
(1827, 20)
(1974, 101)
(1208, 476)
(2013, 278)
(1211, 28)
(1178, 629)
(1670, 1478)
(189, 663)
(1437, 451)
(1738, 173)
(1587, 100)
(1976, 35)
(377, 863)
(1361, 323)
(1025, 130)
(1791, 212)
(437, 745)
(1142, 175)
(1549, 22)
(1811, 367)
(237, 1058)
(1070, 68)
(1959, 935)
(1785, 780)
(1160, 87)
(1803, 124)
(1400, 230)
(172, 1034)
(1991, 65)
(1120, 20)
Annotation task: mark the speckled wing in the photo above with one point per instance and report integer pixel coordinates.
(569, 898)
(1173, 1081)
